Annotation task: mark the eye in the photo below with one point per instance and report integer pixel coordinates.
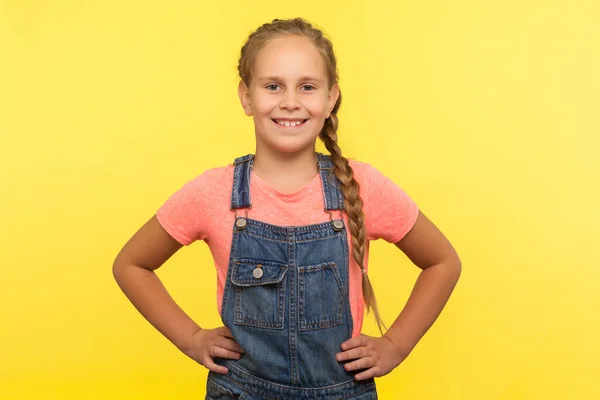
(272, 87)
(307, 88)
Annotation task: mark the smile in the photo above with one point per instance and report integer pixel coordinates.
(289, 122)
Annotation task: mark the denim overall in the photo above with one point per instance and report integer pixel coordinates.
(286, 303)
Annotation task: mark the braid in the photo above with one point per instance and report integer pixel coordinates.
(354, 207)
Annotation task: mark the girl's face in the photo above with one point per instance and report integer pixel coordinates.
(289, 96)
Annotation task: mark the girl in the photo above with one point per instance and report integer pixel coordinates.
(289, 230)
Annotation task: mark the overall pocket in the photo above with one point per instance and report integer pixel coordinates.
(321, 296)
(259, 293)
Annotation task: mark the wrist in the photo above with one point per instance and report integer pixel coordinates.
(402, 348)
(187, 344)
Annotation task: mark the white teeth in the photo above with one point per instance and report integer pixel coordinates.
(289, 123)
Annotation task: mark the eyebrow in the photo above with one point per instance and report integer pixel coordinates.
(278, 78)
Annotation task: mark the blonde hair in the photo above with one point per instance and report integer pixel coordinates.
(342, 170)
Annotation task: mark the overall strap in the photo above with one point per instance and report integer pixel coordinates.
(334, 199)
(240, 193)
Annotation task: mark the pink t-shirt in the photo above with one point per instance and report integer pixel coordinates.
(200, 210)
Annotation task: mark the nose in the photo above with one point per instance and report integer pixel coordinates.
(289, 101)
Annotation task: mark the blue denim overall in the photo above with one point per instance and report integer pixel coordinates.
(286, 303)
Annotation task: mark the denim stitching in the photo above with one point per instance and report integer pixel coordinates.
(330, 321)
(284, 389)
(240, 319)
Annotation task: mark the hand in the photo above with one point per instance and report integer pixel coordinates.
(377, 355)
(209, 343)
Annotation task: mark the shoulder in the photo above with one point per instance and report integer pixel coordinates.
(211, 181)
(390, 212)
(187, 214)
(373, 182)
(203, 190)
(216, 175)
(367, 174)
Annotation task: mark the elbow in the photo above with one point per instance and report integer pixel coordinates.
(450, 267)
(124, 269)
(455, 268)
(120, 269)
(117, 270)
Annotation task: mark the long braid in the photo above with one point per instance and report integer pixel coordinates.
(353, 205)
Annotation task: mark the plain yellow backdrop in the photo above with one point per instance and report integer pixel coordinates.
(485, 112)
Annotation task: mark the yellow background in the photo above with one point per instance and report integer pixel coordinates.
(485, 112)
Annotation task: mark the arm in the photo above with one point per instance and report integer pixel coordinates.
(428, 249)
(133, 269)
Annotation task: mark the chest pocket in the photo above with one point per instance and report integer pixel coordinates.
(259, 293)
(321, 296)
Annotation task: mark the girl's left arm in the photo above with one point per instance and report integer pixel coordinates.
(428, 249)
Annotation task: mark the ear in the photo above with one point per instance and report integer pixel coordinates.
(332, 98)
(244, 95)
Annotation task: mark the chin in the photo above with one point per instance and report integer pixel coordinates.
(290, 146)
(290, 149)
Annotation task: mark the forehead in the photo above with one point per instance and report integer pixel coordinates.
(288, 57)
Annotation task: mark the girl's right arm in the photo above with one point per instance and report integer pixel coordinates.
(133, 270)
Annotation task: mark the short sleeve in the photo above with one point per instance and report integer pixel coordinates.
(181, 214)
(390, 213)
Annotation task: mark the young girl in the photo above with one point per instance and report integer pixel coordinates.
(289, 230)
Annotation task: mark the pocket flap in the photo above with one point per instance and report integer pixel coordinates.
(243, 273)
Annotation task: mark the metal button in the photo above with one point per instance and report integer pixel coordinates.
(258, 272)
(338, 225)
(241, 223)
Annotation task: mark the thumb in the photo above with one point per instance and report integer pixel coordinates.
(225, 331)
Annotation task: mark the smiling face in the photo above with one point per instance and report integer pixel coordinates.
(289, 95)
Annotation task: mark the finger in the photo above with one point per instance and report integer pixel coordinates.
(370, 373)
(224, 331)
(224, 353)
(354, 342)
(219, 369)
(353, 354)
(230, 344)
(362, 363)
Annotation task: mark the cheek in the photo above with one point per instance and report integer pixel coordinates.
(317, 107)
(265, 106)
(319, 104)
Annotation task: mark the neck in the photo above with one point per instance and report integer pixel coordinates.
(270, 165)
